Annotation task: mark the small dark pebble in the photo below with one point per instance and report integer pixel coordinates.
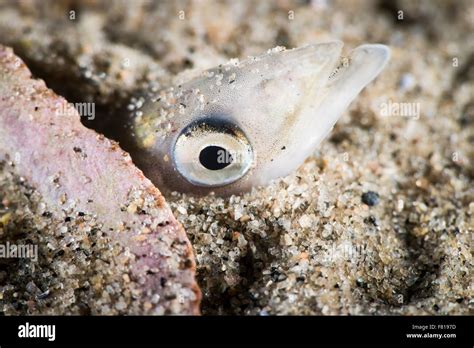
(163, 281)
(370, 198)
(361, 284)
(274, 274)
(371, 220)
(459, 300)
(300, 279)
(67, 219)
(436, 307)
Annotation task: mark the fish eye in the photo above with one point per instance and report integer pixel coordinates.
(211, 152)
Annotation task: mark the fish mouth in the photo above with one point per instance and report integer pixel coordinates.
(353, 71)
(328, 83)
(337, 80)
(362, 65)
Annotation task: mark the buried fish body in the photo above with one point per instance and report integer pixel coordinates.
(242, 124)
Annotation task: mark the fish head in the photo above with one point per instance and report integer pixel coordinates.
(242, 124)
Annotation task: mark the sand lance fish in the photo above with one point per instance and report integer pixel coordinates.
(244, 123)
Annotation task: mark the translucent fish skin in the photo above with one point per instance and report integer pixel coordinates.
(284, 102)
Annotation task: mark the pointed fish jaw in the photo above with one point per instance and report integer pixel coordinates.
(365, 64)
(322, 107)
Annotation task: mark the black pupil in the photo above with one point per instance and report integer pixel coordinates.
(215, 157)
